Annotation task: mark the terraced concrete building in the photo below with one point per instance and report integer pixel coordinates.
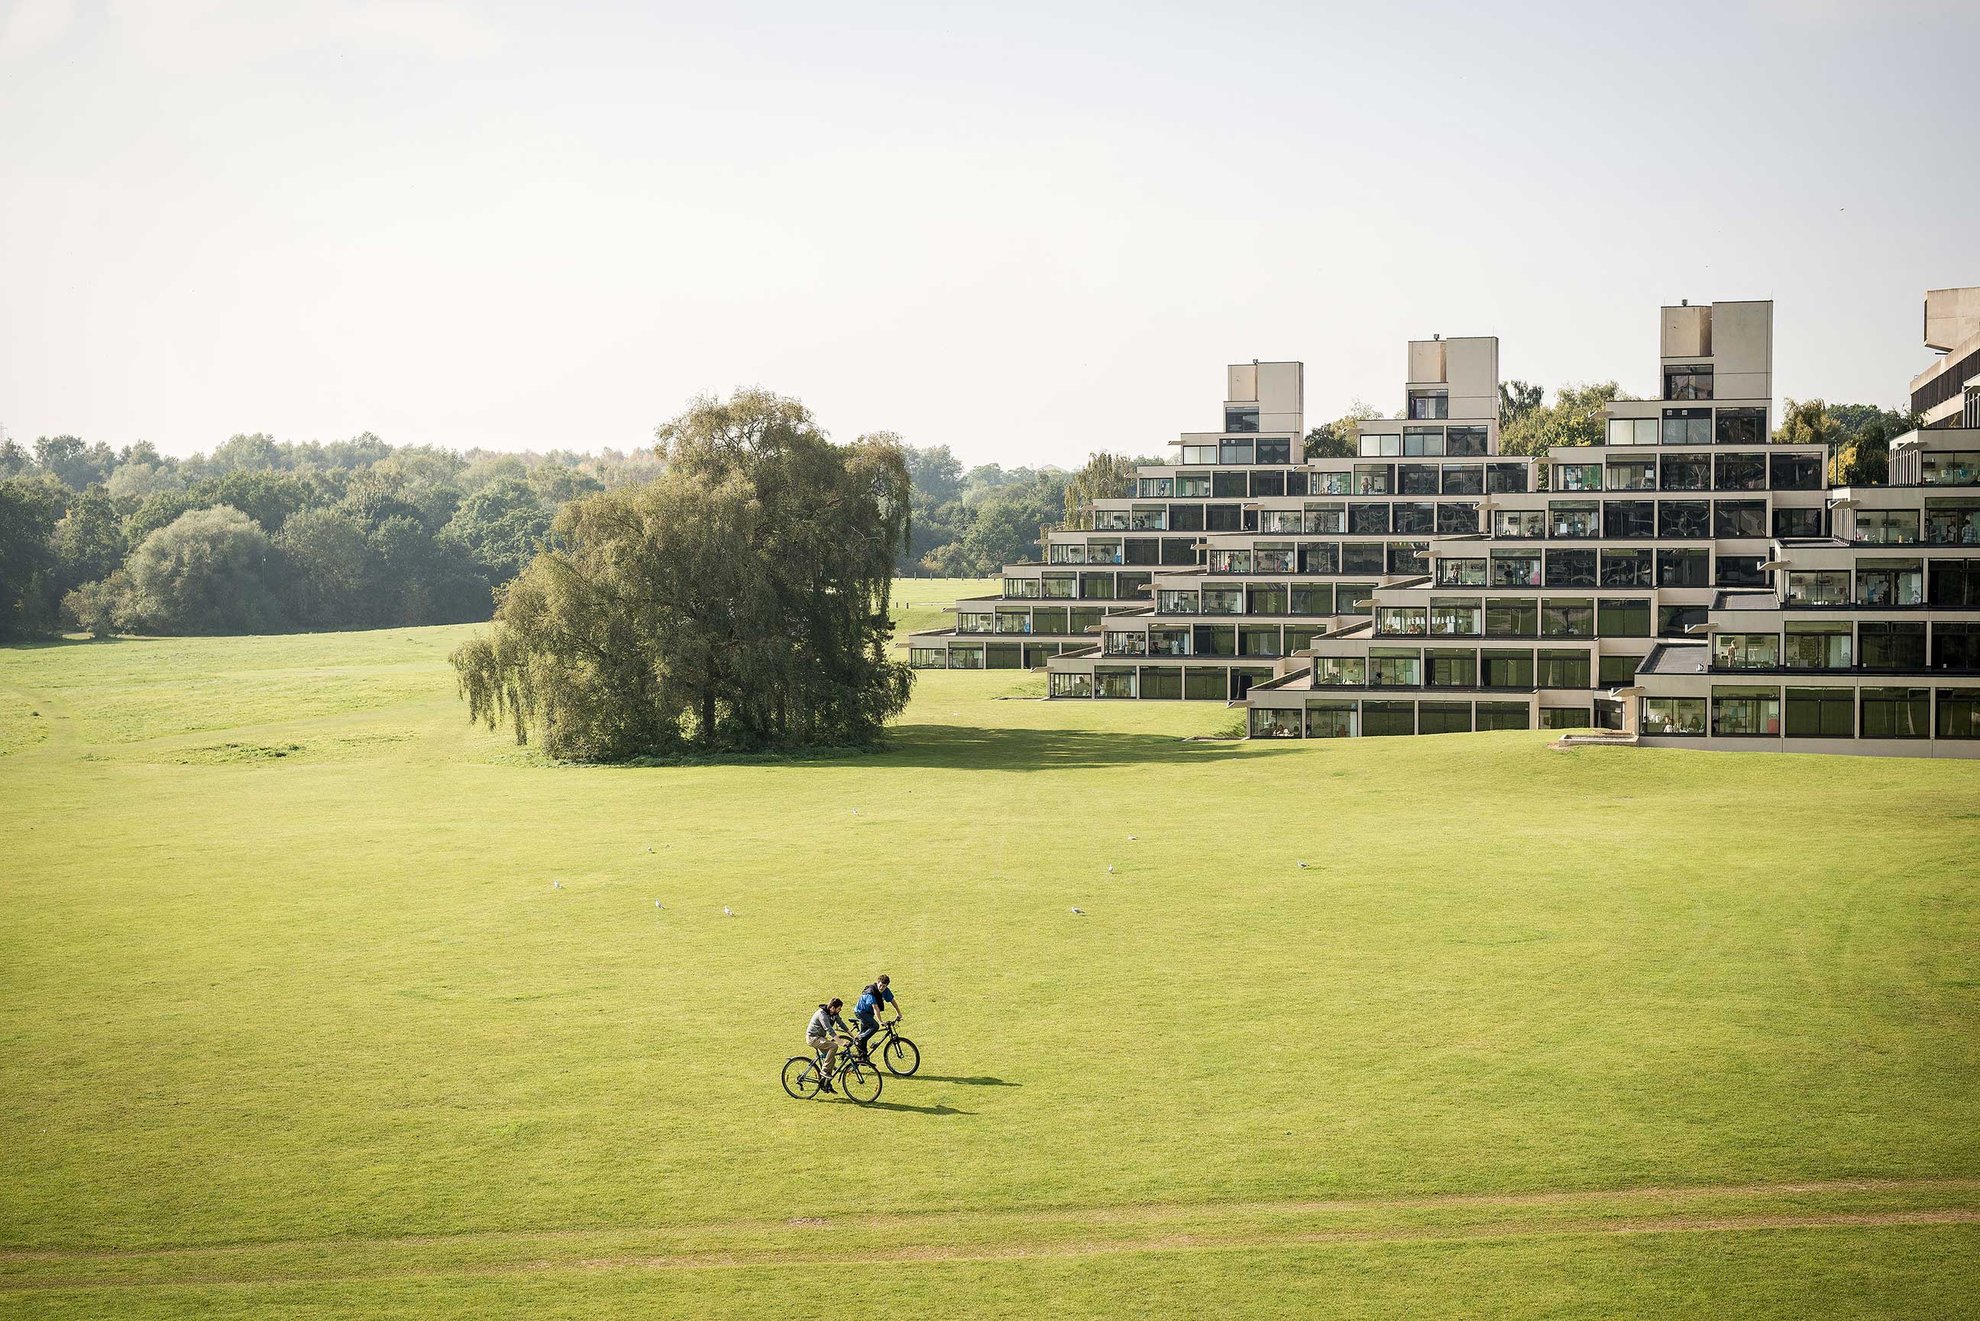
(1687, 582)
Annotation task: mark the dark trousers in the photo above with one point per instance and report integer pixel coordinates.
(866, 1031)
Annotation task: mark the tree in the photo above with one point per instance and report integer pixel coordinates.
(738, 600)
(1338, 439)
(1516, 400)
(208, 571)
(1808, 422)
(100, 608)
(73, 463)
(501, 527)
(29, 508)
(1576, 417)
(330, 568)
(89, 541)
(1104, 477)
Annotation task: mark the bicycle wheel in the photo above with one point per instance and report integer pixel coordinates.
(902, 1057)
(801, 1078)
(859, 1082)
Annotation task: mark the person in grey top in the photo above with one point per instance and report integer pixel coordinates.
(822, 1035)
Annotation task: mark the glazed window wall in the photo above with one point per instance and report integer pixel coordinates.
(1818, 587)
(1563, 669)
(1364, 520)
(1629, 518)
(1574, 518)
(1955, 645)
(1885, 527)
(1746, 712)
(1443, 717)
(1626, 568)
(1631, 475)
(1512, 617)
(1456, 616)
(1519, 523)
(1406, 557)
(1795, 472)
(1687, 426)
(1313, 599)
(1567, 619)
(1417, 478)
(1379, 719)
(1958, 713)
(1821, 712)
(1739, 472)
(1891, 645)
(1505, 478)
(1504, 715)
(1577, 477)
(1739, 518)
(1683, 519)
(1464, 441)
(1890, 582)
(1461, 573)
(1447, 667)
(1516, 568)
(1953, 584)
(1633, 431)
(1685, 472)
(1742, 426)
(1742, 571)
(1340, 671)
(1393, 667)
(1567, 567)
(1330, 720)
(1816, 645)
(1625, 617)
(1506, 669)
(1414, 517)
(1674, 717)
(1798, 522)
(1896, 712)
(1675, 621)
(1457, 518)
(1950, 468)
(1746, 651)
(1363, 557)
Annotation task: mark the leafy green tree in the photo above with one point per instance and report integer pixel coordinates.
(1104, 477)
(255, 453)
(208, 571)
(501, 527)
(1516, 400)
(1577, 416)
(1338, 439)
(76, 465)
(29, 509)
(330, 569)
(739, 600)
(101, 608)
(89, 540)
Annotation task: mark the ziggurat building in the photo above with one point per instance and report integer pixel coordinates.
(1687, 584)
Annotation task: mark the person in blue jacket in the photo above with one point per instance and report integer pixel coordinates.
(866, 1010)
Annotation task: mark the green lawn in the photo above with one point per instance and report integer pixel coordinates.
(294, 1022)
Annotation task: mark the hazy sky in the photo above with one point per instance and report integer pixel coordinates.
(1022, 230)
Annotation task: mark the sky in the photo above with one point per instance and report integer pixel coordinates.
(1025, 231)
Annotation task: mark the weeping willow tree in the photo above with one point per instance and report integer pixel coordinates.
(738, 602)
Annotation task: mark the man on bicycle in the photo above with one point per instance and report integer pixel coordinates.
(866, 1012)
(822, 1035)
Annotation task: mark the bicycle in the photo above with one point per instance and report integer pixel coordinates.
(857, 1080)
(901, 1056)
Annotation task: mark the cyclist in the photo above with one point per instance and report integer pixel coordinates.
(866, 1012)
(822, 1035)
(887, 995)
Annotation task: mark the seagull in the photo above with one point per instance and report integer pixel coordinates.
(556, 885)
(1130, 839)
(728, 911)
(1302, 866)
(1079, 912)
(1110, 869)
(658, 904)
(649, 848)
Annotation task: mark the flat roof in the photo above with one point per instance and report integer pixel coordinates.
(1677, 658)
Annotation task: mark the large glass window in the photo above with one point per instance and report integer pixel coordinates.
(1240, 417)
(1687, 426)
(1891, 645)
(1354, 599)
(1953, 584)
(1567, 618)
(1897, 712)
(1688, 381)
(1950, 468)
(1685, 472)
(1624, 617)
(1223, 518)
(1400, 619)
(1505, 478)
(1574, 518)
(1629, 518)
(1186, 518)
(1274, 722)
(1394, 667)
(1164, 682)
(1366, 519)
(1821, 713)
(1429, 404)
(1886, 527)
(1816, 644)
(1319, 557)
(1363, 557)
(1461, 573)
(1631, 475)
(1504, 715)
(1457, 518)
(1443, 717)
(1959, 713)
(1233, 451)
(1265, 599)
(1326, 518)
(1464, 479)
(1406, 557)
(1674, 717)
(1277, 449)
(1313, 599)
(1626, 568)
(1230, 560)
(1742, 571)
(1230, 485)
(1798, 522)
(1374, 478)
(1464, 441)
(1739, 472)
(1340, 671)
(1565, 717)
(1267, 482)
(1072, 685)
(1417, 478)
(1456, 616)
(1796, 472)
(1260, 642)
(1818, 587)
(1744, 712)
(1890, 582)
(1193, 484)
(1199, 454)
(1213, 640)
(1516, 568)
(1746, 651)
(1675, 621)
(1449, 667)
(1616, 671)
(1952, 521)
(1330, 720)
(1059, 586)
(1955, 645)
(1507, 669)
(1577, 477)
(1742, 426)
(1563, 669)
(1222, 600)
(1387, 718)
(1516, 523)
(1512, 617)
(1380, 444)
(1739, 518)
(1423, 440)
(1632, 431)
(1683, 519)
(1570, 567)
(1414, 516)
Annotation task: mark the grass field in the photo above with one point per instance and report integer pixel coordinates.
(293, 1021)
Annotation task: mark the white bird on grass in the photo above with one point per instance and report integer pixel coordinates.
(1079, 912)
(1130, 839)
(1110, 869)
(728, 911)
(658, 904)
(556, 885)
(1302, 866)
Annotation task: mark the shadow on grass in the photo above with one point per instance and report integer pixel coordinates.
(975, 748)
(908, 1109)
(967, 1082)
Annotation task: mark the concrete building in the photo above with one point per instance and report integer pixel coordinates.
(1947, 394)
(1686, 581)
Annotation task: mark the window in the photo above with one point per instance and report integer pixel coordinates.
(1519, 523)
(1415, 516)
(1632, 431)
(1230, 561)
(1314, 599)
(1143, 550)
(1688, 381)
(1373, 479)
(1021, 588)
(1507, 669)
(1795, 472)
(1268, 481)
(1955, 645)
(1164, 682)
(1683, 472)
(1265, 599)
(1457, 518)
(974, 621)
(1460, 573)
(1951, 468)
(1406, 557)
(1891, 645)
(1332, 483)
(1212, 640)
(1896, 712)
(1365, 519)
(1886, 527)
(1798, 522)
(1330, 720)
(1818, 587)
(1014, 621)
(1193, 484)
(1959, 713)
(1739, 472)
(1222, 600)
(1049, 621)
(1627, 617)
(1387, 718)
(1574, 518)
(1456, 616)
(1443, 717)
(1890, 582)
(966, 658)
(1072, 685)
(1222, 518)
(1626, 568)
(1629, 518)
(1816, 645)
(1674, 717)
(1240, 418)
(1394, 667)
(1186, 518)
(1381, 444)
(1429, 404)
(1059, 586)
(1340, 671)
(1464, 479)
(1565, 717)
(1616, 671)
(1319, 557)
(1400, 619)
(1363, 557)
(1464, 441)
(1568, 567)
(1515, 568)
(1155, 488)
(1451, 668)
(1504, 715)
(1512, 617)
(1417, 478)
(1739, 518)
(1505, 478)
(1633, 475)
(1821, 713)
(1746, 651)
(1954, 584)
(1260, 642)
(1746, 712)
(1567, 619)
(1232, 451)
(1272, 557)
(1680, 519)
(1577, 477)
(1952, 521)
(1675, 621)
(1230, 485)
(1353, 599)
(1277, 449)
(1201, 684)
(1423, 440)
(1563, 669)
(1274, 722)
(1744, 426)
(926, 658)
(1119, 643)
(1199, 454)
(1741, 571)
(1687, 426)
